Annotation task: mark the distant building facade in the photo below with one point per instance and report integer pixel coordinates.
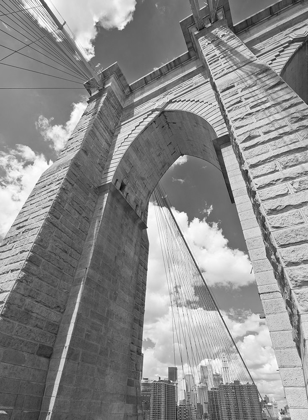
(163, 400)
(234, 401)
(146, 390)
(214, 405)
(173, 374)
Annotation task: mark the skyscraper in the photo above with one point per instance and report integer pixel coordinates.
(163, 400)
(203, 374)
(202, 389)
(185, 412)
(210, 378)
(214, 405)
(146, 389)
(225, 370)
(234, 401)
(173, 373)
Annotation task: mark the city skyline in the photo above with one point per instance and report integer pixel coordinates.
(222, 401)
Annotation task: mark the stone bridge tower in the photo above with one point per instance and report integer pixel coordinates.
(74, 264)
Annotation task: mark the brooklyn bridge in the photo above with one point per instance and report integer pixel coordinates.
(74, 341)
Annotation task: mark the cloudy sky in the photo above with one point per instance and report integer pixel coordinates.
(35, 123)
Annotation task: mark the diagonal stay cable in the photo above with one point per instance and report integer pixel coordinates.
(41, 62)
(31, 46)
(19, 11)
(70, 48)
(226, 329)
(39, 72)
(52, 28)
(21, 48)
(200, 273)
(47, 33)
(40, 88)
(69, 53)
(34, 31)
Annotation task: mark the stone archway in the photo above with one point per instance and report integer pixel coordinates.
(112, 290)
(170, 135)
(74, 262)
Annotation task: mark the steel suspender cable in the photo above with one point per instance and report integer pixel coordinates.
(194, 313)
(19, 11)
(39, 30)
(49, 29)
(221, 337)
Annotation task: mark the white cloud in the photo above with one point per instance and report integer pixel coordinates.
(22, 167)
(221, 265)
(224, 267)
(181, 181)
(20, 170)
(83, 17)
(255, 349)
(180, 161)
(57, 135)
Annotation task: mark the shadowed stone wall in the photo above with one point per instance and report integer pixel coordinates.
(40, 257)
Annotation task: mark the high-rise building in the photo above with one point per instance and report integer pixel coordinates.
(214, 404)
(210, 376)
(173, 374)
(186, 412)
(146, 389)
(163, 400)
(239, 402)
(203, 374)
(225, 370)
(202, 393)
(191, 395)
(234, 401)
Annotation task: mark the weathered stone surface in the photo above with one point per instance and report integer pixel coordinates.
(288, 203)
(292, 218)
(274, 306)
(288, 357)
(284, 339)
(300, 185)
(295, 255)
(297, 395)
(278, 191)
(298, 413)
(294, 236)
(298, 276)
(302, 298)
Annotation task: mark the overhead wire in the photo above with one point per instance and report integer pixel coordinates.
(19, 11)
(38, 61)
(48, 42)
(67, 26)
(17, 39)
(40, 88)
(43, 15)
(179, 280)
(38, 72)
(50, 31)
(222, 341)
(31, 46)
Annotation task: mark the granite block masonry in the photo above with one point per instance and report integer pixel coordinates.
(74, 263)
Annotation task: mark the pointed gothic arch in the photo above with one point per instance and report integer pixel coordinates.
(168, 136)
